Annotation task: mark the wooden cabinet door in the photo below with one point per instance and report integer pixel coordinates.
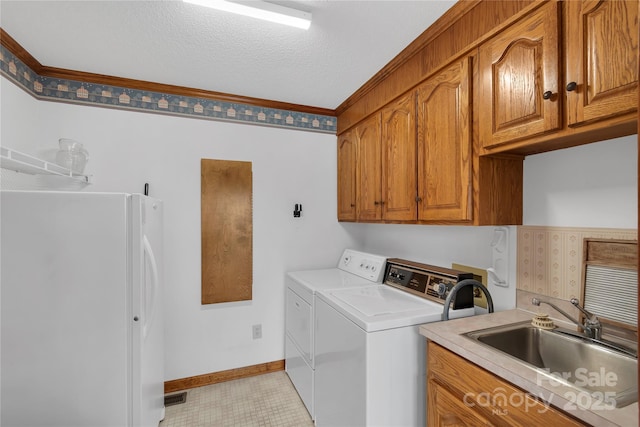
(445, 410)
(368, 177)
(518, 69)
(444, 145)
(347, 177)
(487, 395)
(399, 160)
(602, 59)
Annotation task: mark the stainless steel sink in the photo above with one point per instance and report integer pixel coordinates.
(606, 373)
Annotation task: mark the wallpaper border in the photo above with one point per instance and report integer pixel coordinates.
(101, 95)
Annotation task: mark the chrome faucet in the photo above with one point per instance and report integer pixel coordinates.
(462, 284)
(592, 327)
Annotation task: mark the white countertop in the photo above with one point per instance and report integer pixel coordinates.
(448, 335)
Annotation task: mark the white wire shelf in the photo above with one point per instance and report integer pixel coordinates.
(21, 162)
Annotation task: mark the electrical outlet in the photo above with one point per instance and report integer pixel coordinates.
(257, 332)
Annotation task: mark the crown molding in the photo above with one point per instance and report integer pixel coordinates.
(226, 106)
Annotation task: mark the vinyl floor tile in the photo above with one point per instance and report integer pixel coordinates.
(267, 400)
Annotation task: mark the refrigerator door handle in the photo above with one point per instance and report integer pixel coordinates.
(150, 289)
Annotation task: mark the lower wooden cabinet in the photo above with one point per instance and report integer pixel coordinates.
(460, 393)
(445, 409)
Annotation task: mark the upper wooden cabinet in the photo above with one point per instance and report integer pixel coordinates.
(347, 177)
(386, 163)
(369, 172)
(519, 79)
(601, 59)
(468, 106)
(532, 99)
(444, 145)
(414, 161)
(399, 160)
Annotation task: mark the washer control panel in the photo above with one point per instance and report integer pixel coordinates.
(368, 266)
(428, 281)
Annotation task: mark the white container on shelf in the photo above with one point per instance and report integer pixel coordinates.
(72, 155)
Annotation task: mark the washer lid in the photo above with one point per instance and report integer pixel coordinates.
(331, 278)
(378, 300)
(382, 307)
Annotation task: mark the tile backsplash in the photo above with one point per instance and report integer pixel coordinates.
(549, 259)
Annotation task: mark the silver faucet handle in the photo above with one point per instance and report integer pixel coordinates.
(589, 315)
(591, 322)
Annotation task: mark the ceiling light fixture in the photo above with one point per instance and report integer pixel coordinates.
(261, 10)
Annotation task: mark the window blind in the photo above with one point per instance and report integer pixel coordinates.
(612, 293)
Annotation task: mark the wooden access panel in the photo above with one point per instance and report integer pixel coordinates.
(227, 231)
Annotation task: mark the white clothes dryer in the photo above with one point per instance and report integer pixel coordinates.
(354, 270)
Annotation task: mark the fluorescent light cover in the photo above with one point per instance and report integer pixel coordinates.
(261, 10)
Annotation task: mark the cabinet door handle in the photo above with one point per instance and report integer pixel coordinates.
(547, 95)
(418, 199)
(376, 203)
(353, 205)
(572, 86)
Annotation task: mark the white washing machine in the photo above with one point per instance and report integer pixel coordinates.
(370, 365)
(354, 270)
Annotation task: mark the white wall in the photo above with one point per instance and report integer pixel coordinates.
(589, 186)
(593, 185)
(442, 246)
(128, 149)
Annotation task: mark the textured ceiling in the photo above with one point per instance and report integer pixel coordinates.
(187, 45)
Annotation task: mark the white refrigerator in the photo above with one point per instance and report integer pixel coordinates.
(81, 310)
